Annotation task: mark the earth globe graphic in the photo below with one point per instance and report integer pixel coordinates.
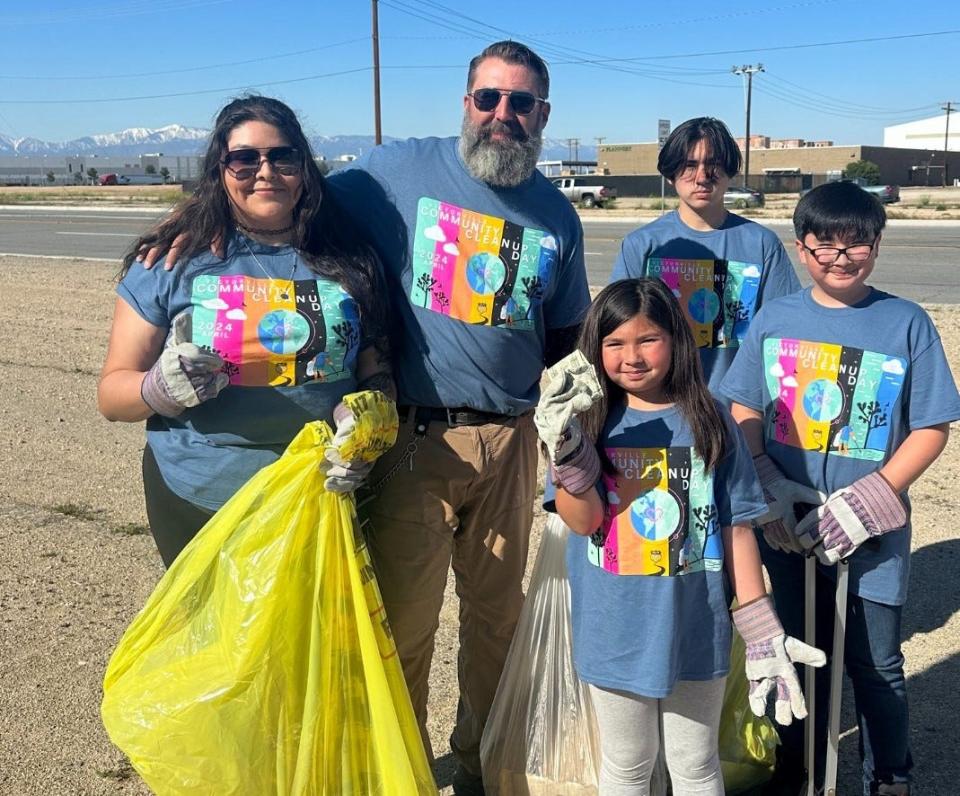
(283, 332)
(822, 400)
(486, 272)
(655, 515)
(703, 305)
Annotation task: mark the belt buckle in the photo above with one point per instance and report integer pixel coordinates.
(451, 421)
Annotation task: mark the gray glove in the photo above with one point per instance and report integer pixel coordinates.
(343, 475)
(782, 494)
(777, 535)
(185, 375)
(868, 507)
(572, 388)
(771, 656)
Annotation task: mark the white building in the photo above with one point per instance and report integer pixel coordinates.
(924, 134)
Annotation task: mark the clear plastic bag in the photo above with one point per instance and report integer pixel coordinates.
(263, 663)
(541, 735)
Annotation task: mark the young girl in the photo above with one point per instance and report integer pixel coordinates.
(661, 505)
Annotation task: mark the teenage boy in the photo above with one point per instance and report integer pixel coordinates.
(846, 389)
(722, 267)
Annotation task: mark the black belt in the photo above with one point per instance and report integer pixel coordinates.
(459, 416)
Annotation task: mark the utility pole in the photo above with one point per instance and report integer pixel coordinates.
(377, 138)
(948, 107)
(748, 70)
(573, 148)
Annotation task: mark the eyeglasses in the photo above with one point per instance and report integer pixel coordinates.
(245, 163)
(828, 255)
(521, 102)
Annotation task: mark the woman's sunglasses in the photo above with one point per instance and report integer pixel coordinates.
(244, 164)
(487, 99)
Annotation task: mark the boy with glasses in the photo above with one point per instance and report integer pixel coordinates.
(844, 389)
(722, 267)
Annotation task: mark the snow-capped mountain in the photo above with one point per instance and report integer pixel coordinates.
(176, 139)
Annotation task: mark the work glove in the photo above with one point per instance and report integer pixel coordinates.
(782, 495)
(771, 655)
(345, 472)
(572, 388)
(868, 507)
(185, 375)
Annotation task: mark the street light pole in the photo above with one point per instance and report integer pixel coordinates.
(748, 70)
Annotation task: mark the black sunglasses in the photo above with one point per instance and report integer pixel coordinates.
(828, 255)
(245, 163)
(521, 102)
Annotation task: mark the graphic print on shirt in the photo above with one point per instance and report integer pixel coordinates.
(661, 518)
(276, 332)
(831, 398)
(718, 297)
(479, 269)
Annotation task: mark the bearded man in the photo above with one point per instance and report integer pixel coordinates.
(484, 262)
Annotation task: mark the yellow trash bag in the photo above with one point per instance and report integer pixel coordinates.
(747, 743)
(263, 662)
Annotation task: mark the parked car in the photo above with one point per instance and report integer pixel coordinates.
(132, 179)
(740, 197)
(886, 194)
(585, 190)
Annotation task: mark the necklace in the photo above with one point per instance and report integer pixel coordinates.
(259, 231)
(284, 295)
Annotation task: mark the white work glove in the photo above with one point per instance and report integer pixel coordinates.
(771, 656)
(185, 375)
(868, 507)
(782, 495)
(572, 387)
(343, 475)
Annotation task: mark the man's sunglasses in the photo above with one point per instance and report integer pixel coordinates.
(487, 99)
(245, 163)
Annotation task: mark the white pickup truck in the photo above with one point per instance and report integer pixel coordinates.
(585, 190)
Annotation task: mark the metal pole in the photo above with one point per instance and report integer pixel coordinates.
(377, 137)
(946, 141)
(749, 71)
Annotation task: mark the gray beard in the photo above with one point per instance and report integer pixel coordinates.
(505, 163)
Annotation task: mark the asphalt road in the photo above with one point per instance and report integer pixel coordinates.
(917, 261)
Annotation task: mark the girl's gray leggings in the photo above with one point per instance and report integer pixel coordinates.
(630, 738)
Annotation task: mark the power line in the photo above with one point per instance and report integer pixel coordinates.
(186, 69)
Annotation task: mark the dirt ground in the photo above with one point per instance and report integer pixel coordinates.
(76, 564)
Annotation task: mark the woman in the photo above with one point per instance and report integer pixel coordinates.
(226, 359)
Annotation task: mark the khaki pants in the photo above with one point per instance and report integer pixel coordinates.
(467, 499)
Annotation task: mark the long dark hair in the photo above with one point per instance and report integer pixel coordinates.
(684, 385)
(329, 241)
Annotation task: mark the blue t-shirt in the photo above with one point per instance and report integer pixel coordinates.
(648, 591)
(477, 273)
(721, 277)
(840, 389)
(290, 340)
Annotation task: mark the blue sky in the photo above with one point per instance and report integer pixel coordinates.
(615, 72)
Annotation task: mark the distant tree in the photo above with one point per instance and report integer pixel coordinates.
(150, 169)
(865, 169)
(165, 173)
(51, 177)
(78, 177)
(92, 174)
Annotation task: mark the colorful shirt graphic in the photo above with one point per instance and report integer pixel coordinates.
(831, 398)
(477, 268)
(276, 332)
(718, 297)
(661, 515)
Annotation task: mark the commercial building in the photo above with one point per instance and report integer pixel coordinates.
(791, 168)
(924, 134)
(74, 169)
